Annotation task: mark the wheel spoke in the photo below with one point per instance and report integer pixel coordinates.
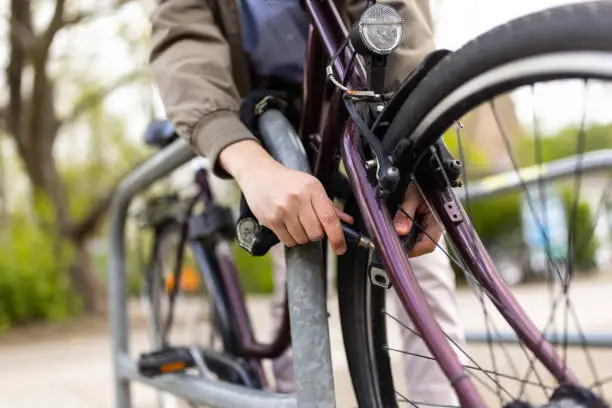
(480, 295)
(504, 375)
(472, 368)
(477, 286)
(587, 353)
(422, 404)
(528, 198)
(580, 146)
(601, 206)
(404, 399)
(539, 162)
(538, 221)
(601, 382)
(451, 340)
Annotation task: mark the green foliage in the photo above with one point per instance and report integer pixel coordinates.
(474, 158)
(471, 152)
(133, 267)
(584, 241)
(497, 217)
(33, 283)
(255, 272)
(497, 221)
(564, 143)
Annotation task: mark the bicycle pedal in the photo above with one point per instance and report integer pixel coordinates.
(165, 361)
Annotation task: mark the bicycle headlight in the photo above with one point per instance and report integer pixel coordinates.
(379, 29)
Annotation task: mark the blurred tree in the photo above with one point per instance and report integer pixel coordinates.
(31, 119)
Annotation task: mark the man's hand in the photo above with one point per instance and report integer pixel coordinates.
(293, 204)
(414, 205)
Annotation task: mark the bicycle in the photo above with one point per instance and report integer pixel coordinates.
(387, 141)
(208, 233)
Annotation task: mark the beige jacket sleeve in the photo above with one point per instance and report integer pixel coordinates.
(418, 38)
(191, 65)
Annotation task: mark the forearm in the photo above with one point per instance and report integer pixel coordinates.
(191, 65)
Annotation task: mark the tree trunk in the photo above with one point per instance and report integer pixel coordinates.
(31, 120)
(85, 281)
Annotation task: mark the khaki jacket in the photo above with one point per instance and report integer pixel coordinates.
(202, 71)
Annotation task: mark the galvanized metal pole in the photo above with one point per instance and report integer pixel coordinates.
(305, 284)
(158, 166)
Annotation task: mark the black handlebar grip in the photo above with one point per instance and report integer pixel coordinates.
(251, 235)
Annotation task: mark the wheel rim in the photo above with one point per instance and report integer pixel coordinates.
(444, 116)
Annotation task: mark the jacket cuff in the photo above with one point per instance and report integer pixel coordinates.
(214, 133)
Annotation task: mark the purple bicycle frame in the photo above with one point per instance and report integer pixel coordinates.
(340, 133)
(327, 34)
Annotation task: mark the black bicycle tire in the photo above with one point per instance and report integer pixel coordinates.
(353, 285)
(575, 27)
(161, 231)
(167, 228)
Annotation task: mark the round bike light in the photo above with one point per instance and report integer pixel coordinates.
(380, 29)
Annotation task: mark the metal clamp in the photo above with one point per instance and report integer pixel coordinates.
(379, 277)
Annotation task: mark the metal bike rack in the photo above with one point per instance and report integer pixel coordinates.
(305, 288)
(589, 162)
(310, 333)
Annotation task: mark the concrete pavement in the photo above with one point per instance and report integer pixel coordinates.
(68, 365)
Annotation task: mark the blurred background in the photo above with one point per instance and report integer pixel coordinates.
(75, 100)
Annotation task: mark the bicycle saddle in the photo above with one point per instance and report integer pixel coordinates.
(160, 133)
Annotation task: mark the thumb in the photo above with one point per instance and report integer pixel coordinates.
(402, 223)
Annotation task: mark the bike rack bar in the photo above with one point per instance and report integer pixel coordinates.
(210, 393)
(305, 283)
(155, 168)
(593, 161)
(596, 340)
(590, 162)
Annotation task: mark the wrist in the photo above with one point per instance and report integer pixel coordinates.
(241, 158)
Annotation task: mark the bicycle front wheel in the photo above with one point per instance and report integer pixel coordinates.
(525, 108)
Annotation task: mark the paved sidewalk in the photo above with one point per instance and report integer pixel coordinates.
(68, 365)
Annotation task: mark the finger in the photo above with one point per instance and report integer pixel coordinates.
(311, 223)
(422, 247)
(294, 226)
(281, 232)
(428, 240)
(344, 216)
(326, 213)
(403, 219)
